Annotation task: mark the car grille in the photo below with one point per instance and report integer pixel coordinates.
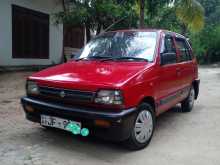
(66, 94)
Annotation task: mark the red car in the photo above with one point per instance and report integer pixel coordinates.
(116, 86)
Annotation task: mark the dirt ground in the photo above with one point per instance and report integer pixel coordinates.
(179, 139)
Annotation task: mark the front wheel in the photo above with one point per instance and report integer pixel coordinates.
(143, 128)
(188, 103)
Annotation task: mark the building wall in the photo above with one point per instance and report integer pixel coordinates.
(56, 32)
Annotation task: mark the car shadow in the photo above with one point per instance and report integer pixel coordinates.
(65, 143)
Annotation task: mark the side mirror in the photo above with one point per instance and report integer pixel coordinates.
(167, 58)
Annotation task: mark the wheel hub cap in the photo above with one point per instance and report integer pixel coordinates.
(143, 126)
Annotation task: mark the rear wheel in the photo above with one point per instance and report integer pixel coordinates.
(188, 103)
(143, 128)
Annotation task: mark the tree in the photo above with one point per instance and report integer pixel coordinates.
(98, 14)
(197, 19)
(189, 12)
(206, 42)
(142, 6)
(95, 15)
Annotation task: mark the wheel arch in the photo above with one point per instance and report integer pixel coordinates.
(150, 100)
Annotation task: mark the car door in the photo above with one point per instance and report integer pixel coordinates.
(168, 74)
(185, 65)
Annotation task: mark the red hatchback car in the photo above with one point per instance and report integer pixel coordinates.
(116, 86)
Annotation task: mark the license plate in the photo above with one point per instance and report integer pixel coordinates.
(56, 122)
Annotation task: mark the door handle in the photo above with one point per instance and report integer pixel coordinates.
(178, 71)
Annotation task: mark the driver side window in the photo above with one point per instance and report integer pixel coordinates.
(168, 51)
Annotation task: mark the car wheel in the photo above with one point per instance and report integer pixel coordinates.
(188, 103)
(143, 128)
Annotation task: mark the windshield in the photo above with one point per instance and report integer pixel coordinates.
(121, 44)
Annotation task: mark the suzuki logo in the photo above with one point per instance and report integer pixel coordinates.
(62, 94)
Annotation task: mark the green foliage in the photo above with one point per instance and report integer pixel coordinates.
(197, 19)
(98, 14)
(206, 43)
(164, 19)
(191, 13)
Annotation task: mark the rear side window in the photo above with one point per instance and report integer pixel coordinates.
(168, 51)
(185, 53)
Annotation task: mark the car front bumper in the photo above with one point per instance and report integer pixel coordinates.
(121, 122)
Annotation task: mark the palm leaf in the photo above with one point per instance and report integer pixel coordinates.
(191, 13)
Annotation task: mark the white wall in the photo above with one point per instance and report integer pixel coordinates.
(56, 32)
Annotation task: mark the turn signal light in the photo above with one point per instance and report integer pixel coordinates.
(102, 123)
(29, 108)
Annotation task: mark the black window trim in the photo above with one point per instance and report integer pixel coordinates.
(189, 49)
(162, 46)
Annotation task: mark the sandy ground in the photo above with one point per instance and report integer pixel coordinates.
(179, 139)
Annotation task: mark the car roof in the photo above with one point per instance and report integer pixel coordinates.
(149, 30)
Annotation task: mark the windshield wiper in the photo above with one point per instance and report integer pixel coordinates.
(126, 58)
(100, 57)
(106, 58)
(94, 57)
(83, 58)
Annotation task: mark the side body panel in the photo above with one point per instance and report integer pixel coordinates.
(174, 81)
(142, 86)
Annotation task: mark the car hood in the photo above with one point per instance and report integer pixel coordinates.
(84, 74)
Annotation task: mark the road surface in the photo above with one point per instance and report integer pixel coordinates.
(180, 138)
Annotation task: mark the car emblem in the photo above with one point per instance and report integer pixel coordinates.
(62, 94)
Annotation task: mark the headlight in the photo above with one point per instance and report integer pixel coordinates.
(109, 97)
(32, 88)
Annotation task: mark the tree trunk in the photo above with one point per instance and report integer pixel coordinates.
(183, 29)
(63, 59)
(98, 29)
(142, 5)
(88, 35)
(64, 5)
(63, 53)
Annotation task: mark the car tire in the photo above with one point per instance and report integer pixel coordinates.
(188, 103)
(138, 138)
